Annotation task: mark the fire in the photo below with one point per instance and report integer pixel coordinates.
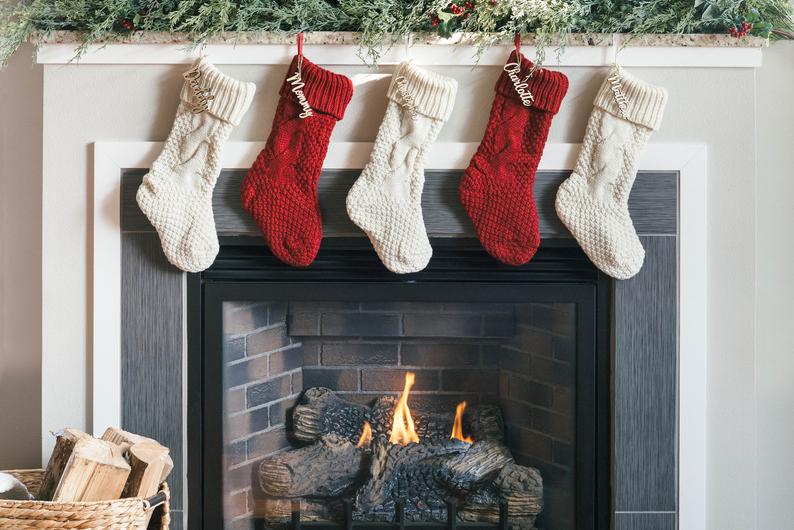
(366, 436)
(402, 428)
(457, 426)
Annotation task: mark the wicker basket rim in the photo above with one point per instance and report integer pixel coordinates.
(17, 503)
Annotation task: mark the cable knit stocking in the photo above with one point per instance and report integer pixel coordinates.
(593, 201)
(386, 200)
(497, 188)
(176, 195)
(280, 189)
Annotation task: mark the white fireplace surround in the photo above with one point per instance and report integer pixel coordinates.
(689, 160)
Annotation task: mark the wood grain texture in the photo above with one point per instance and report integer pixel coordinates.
(652, 204)
(645, 521)
(645, 382)
(151, 349)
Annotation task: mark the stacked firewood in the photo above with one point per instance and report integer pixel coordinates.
(119, 464)
(339, 463)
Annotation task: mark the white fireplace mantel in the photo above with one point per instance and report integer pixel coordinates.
(338, 49)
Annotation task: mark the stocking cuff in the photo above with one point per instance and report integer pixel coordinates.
(625, 96)
(548, 88)
(230, 98)
(325, 91)
(426, 92)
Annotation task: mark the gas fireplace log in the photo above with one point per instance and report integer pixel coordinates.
(321, 412)
(274, 510)
(329, 468)
(470, 470)
(520, 486)
(425, 476)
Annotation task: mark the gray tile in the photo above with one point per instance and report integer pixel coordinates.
(645, 382)
(645, 521)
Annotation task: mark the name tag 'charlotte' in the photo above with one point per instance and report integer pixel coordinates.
(201, 95)
(297, 88)
(513, 69)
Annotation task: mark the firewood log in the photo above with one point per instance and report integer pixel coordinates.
(64, 445)
(329, 468)
(126, 440)
(96, 471)
(149, 462)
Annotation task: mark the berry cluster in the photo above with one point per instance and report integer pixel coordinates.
(462, 11)
(741, 30)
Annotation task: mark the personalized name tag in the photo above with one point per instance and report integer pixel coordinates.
(513, 69)
(620, 97)
(297, 89)
(405, 95)
(201, 95)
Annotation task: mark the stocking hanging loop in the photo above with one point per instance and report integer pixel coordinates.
(517, 43)
(300, 49)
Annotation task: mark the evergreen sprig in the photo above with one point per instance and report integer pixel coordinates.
(384, 22)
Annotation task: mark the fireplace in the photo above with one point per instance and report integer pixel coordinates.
(526, 349)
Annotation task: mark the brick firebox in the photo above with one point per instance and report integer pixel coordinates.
(521, 356)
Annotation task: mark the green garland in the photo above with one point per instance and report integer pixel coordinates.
(383, 22)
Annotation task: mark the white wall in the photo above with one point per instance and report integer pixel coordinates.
(713, 106)
(774, 353)
(20, 262)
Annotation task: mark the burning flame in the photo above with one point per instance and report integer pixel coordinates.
(366, 435)
(457, 426)
(402, 428)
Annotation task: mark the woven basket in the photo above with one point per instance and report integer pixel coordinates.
(122, 514)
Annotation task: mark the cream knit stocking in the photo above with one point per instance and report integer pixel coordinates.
(176, 195)
(593, 201)
(386, 200)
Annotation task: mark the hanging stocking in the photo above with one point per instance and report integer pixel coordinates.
(280, 189)
(497, 188)
(386, 200)
(593, 201)
(176, 195)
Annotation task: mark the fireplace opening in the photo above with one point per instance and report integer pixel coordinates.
(342, 396)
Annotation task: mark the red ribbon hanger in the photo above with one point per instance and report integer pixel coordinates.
(300, 50)
(517, 43)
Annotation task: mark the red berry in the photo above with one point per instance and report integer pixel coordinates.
(434, 22)
(127, 24)
(469, 5)
(493, 2)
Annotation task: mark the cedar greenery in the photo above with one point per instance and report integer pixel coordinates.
(383, 22)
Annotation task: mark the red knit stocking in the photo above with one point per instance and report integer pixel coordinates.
(280, 189)
(496, 189)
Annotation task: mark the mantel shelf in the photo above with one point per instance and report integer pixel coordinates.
(674, 51)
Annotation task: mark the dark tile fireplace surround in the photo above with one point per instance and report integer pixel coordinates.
(584, 369)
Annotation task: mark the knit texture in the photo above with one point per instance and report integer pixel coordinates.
(280, 189)
(176, 195)
(593, 201)
(386, 200)
(497, 188)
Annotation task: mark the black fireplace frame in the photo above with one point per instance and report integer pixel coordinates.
(347, 267)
